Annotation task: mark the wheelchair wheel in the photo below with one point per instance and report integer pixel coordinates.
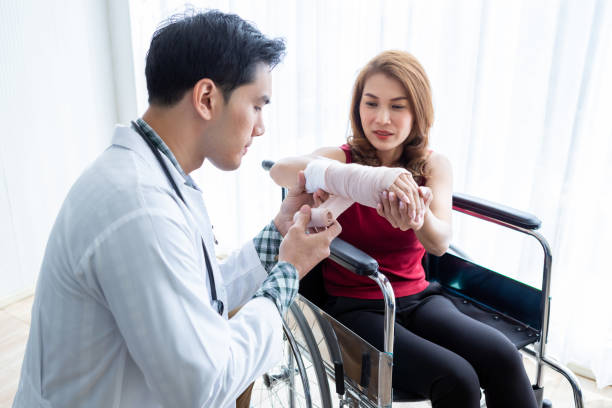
(299, 380)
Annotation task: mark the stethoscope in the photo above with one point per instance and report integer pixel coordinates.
(213, 290)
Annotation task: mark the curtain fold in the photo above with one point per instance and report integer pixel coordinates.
(522, 96)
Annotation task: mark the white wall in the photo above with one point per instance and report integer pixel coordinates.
(57, 113)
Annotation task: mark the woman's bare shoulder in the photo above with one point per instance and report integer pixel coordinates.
(438, 164)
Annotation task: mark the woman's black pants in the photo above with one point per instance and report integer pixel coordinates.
(441, 353)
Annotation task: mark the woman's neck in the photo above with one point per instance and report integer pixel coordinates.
(389, 158)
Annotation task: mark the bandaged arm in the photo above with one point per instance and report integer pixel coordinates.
(347, 183)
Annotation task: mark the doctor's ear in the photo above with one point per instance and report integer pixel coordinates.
(207, 97)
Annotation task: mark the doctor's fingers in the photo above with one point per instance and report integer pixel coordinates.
(325, 236)
(301, 219)
(319, 242)
(333, 230)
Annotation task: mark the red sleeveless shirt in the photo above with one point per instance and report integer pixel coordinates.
(398, 253)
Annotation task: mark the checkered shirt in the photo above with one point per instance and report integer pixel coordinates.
(159, 143)
(281, 285)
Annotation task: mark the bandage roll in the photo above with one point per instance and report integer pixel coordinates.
(319, 217)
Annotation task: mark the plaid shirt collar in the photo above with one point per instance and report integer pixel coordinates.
(159, 143)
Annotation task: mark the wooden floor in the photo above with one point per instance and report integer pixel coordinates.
(15, 323)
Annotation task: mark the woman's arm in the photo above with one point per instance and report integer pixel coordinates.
(432, 225)
(284, 172)
(436, 231)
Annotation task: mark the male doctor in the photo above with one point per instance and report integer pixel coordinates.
(131, 304)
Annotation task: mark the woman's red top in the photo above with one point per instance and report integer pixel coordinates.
(399, 254)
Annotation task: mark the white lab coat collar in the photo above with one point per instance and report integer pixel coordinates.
(127, 137)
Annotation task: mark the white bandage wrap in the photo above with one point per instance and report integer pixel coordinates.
(315, 174)
(362, 184)
(347, 183)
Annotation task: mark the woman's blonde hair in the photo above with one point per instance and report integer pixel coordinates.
(405, 68)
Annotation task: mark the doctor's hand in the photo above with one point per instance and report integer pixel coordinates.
(296, 198)
(305, 250)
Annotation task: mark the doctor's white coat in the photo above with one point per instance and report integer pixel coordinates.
(122, 315)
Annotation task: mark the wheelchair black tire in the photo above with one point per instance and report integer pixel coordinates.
(277, 387)
(315, 356)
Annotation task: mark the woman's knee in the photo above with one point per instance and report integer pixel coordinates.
(458, 384)
(504, 362)
(504, 352)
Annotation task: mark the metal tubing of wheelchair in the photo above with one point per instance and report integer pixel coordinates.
(389, 296)
(564, 371)
(545, 303)
(546, 276)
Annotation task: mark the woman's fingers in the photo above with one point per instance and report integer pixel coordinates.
(319, 197)
(394, 205)
(397, 212)
(427, 195)
(385, 208)
(407, 195)
(408, 191)
(402, 189)
(408, 179)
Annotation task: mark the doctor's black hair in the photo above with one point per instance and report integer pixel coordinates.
(190, 46)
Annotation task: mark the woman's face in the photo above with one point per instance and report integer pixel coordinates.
(386, 117)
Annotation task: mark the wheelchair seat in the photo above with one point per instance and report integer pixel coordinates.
(463, 282)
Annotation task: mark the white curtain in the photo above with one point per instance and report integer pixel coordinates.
(57, 112)
(523, 102)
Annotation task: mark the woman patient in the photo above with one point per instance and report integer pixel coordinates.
(439, 353)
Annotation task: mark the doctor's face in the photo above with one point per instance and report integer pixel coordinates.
(241, 120)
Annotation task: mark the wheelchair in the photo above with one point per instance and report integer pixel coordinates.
(318, 349)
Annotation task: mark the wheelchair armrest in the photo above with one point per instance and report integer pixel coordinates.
(267, 164)
(478, 206)
(353, 259)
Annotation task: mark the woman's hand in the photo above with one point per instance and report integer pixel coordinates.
(319, 197)
(407, 190)
(296, 198)
(397, 212)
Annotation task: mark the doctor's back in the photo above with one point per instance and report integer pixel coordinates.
(120, 199)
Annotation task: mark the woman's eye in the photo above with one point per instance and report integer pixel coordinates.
(371, 104)
(398, 106)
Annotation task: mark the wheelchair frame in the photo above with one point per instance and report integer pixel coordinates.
(373, 387)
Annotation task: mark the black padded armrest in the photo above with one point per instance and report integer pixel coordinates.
(496, 211)
(352, 258)
(267, 164)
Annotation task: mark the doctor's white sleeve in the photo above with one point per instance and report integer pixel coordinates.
(148, 272)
